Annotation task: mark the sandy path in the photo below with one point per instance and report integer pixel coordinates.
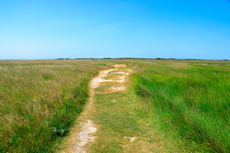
(86, 135)
(81, 136)
(110, 121)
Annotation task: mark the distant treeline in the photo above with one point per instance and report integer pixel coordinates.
(140, 58)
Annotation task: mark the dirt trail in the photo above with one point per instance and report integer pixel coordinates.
(83, 135)
(110, 121)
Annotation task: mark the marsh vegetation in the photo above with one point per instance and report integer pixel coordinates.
(39, 101)
(189, 102)
(172, 105)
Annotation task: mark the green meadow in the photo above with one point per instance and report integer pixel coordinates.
(39, 100)
(189, 102)
(185, 103)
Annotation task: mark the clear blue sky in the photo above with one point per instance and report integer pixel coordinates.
(49, 29)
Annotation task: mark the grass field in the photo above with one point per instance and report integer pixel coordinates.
(188, 102)
(39, 101)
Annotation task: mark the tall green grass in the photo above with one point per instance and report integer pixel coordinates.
(39, 100)
(191, 100)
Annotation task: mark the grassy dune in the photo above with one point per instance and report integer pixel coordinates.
(39, 101)
(189, 102)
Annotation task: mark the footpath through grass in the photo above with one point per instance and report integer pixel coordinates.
(39, 100)
(122, 125)
(168, 106)
(189, 102)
